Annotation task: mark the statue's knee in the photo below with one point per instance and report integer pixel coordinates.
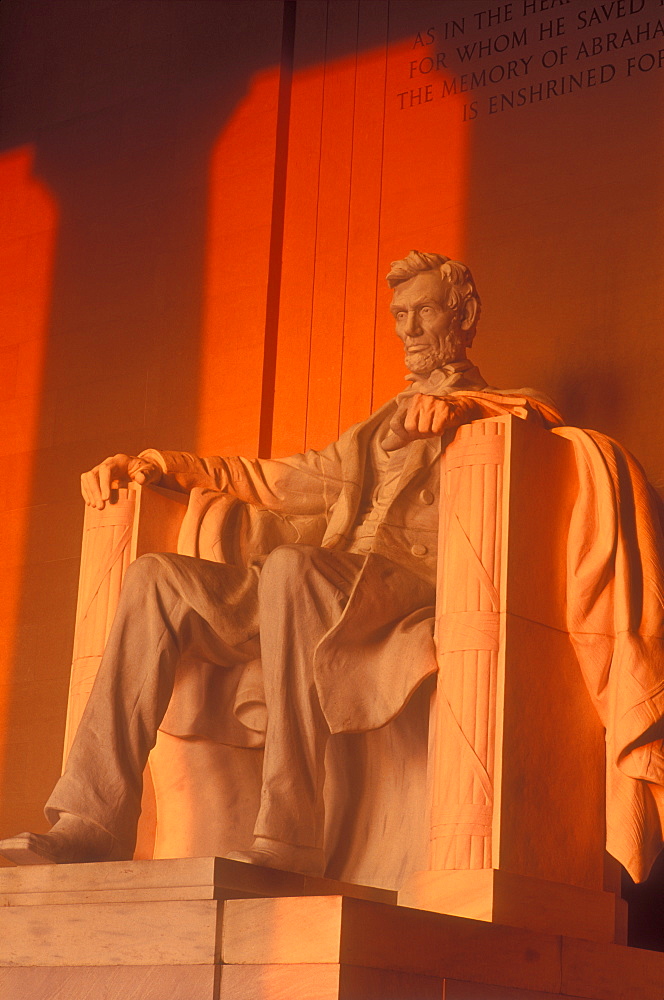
(147, 570)
(287, 562)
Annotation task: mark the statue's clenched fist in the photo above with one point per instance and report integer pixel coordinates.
(421, 416)
(117, 470)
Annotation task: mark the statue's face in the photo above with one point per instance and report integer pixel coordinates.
(429, 329)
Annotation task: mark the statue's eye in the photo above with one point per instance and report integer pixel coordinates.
(425, 310)
(401, 316)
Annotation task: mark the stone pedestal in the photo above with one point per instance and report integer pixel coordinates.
(514, 900)
(210, 929)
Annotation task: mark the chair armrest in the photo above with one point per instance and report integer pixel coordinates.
(158, 517)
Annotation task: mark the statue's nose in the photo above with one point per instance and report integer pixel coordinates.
(413, 328)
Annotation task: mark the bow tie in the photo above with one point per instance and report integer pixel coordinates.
(449, 378)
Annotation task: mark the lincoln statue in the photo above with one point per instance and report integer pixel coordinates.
(333, 627)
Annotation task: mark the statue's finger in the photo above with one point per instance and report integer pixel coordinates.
(425, 420)
(94, 498)
(441, 418)
(396, 422)
(143, 474)
(85, 493)
(412, 418)
(105, 471)
(148, 472)
(392, 441)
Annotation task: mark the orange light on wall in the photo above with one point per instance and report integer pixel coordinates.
(366, 182)
(28, 224)
(309, 202)
(425, 183)
(237, 265)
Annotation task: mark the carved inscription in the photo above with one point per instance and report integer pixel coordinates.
(513, 55)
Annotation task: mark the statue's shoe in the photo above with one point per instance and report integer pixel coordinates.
(32, 849)
(70, 841)
(284, 857)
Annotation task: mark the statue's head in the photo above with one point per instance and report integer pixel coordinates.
(436, 308)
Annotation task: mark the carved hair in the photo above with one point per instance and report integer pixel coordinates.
(456, 276)
(416, 261)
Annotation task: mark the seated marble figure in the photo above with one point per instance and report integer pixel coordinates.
(342, 624)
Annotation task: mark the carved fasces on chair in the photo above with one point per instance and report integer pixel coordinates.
(105, 555)
(516, 753)
(137, 520)
(467, 638)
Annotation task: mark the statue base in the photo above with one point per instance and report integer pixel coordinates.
(514, 900)
(211, 929)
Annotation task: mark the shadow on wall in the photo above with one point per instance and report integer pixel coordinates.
(28, 224)
(122, 104)
(592, 396)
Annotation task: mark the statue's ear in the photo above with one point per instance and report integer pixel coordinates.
(469, 317)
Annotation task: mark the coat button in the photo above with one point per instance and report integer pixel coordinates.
(419, 550)
(426, 496)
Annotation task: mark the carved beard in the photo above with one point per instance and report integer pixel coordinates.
(435, 356)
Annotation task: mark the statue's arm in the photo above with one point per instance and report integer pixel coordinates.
(300, 484)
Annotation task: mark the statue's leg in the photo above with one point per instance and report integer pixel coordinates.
(168, 608)
(302, 593)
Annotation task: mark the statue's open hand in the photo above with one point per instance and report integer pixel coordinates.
(117, 470)
(421, 416)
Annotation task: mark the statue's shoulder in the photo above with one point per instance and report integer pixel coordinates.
(528, 391)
